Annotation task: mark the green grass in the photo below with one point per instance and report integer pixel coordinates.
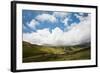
(36, 53)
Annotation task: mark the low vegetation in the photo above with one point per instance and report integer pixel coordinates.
(38, 53)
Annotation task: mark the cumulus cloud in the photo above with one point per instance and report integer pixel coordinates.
(42, 37)
(46, 17)
(78, 34)
(33, 24)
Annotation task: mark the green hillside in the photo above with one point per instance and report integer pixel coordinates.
(37, 53)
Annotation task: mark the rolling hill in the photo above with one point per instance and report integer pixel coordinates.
(41, 53)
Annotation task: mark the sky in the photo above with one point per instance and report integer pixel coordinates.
(56, 28)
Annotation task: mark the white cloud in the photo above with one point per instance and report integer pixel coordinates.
(80, 33)
(60, 14)
(37, 37)
(46, 17)
(33, 24)
(65, 21)
(81, 18)
(43, 36)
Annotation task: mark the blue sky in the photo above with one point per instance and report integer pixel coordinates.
(49, 19)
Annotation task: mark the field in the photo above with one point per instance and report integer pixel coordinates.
(38, 53)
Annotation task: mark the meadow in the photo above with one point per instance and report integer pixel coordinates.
(44, 53)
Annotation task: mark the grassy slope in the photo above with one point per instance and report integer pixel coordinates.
(36, 53)
(33, 50)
